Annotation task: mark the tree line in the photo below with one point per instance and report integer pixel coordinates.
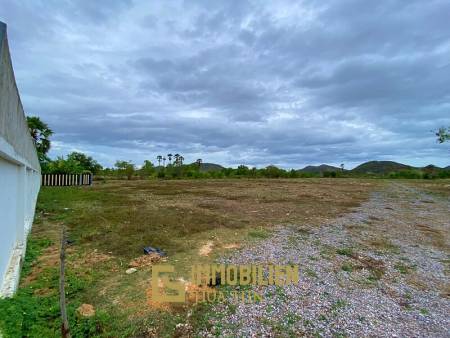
(172, 166)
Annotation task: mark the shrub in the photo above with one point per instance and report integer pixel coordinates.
(329, 174)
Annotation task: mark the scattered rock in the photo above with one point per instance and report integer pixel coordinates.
(183, 330)
(130, 271)
(372, 298)
(86, 310)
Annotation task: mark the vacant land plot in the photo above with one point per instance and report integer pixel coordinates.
(334, 227)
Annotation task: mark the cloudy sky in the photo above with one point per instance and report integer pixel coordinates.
(288, 83)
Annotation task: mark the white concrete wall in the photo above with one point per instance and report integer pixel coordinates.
(19, 175)
(8, 200)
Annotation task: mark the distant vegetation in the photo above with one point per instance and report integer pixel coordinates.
(198, 169)
(172, 166)
(74, 163)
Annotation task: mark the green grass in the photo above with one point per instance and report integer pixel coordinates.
(34, 250)
(403, 268)
(110, 221)
(310, 273)
(33, 314)
(339, 304)
(424, 312)
(347, 267)
(345, 252)
(118, 219)
(258, 234)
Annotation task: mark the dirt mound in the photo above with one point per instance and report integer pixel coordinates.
(206, 249)
(86, 310)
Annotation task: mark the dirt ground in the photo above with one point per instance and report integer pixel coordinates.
(202, 221)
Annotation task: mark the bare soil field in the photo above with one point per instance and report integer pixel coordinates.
(373, 257)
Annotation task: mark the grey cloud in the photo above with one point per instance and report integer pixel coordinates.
(237, 81)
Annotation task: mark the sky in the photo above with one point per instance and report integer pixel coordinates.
(287, 83)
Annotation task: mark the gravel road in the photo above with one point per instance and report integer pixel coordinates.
(381, 270)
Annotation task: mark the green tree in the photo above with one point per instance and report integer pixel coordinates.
(40, 132)
(86, 162)
(62, 166)
(443, 134)
(125, 168)
(177, 159)
(242, 170)
(148, 169)
(159, 158)
(273, 172)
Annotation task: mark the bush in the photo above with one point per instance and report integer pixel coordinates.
(408, 174)
(444, 174)
(273, 172)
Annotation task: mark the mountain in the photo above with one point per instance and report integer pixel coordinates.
(380, 167)
(318, 169)
(432, 167)
(205, 167)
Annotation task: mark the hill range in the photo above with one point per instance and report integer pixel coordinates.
(371, 167)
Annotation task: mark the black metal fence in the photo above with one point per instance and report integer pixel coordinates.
(64, 180)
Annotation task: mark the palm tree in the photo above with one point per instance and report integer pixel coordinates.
(40, 132)
(169, 156)
(199, 162)
(443, 134)
(159, 158)
(164, 161)
(181, 159)
(177, 158)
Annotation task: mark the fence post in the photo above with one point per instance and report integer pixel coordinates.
(65, 333)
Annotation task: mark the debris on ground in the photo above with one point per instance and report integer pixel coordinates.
(182, 330)
(145, 260)
(86, 310)
(149, 250)
(206, 249)
(95, 257)
(231, 246)
(130, 271)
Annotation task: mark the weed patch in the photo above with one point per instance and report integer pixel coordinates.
(345, 252)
